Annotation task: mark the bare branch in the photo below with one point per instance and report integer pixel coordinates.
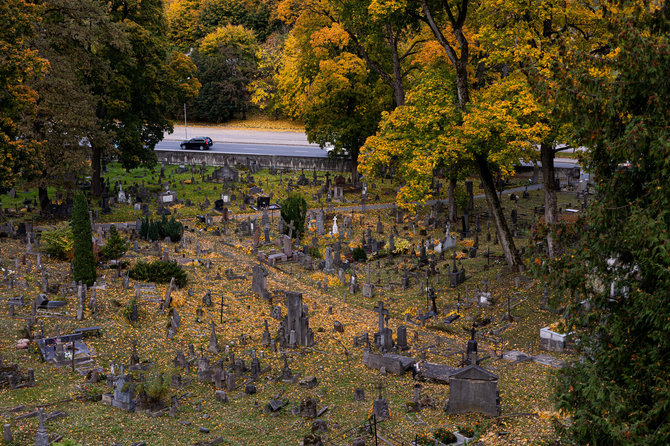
(410, 51)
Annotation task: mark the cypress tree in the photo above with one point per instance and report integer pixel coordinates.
(83, 263)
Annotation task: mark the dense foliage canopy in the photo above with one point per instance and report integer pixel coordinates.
(617, 275)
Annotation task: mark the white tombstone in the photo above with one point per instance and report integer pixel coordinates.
(335, 229)
(121, 198)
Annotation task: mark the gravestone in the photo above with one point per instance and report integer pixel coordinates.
(380, 407)
(341, 276)
(7, 434)
(384, 337)
(287, 249)
(266, 337)
(401, 338)
(328, 269)
(257, 235)
(213, 346)
(319, 223)
(353, 283)
(473, 389)
(175, 321)
(368, 288)
(404, 281)
(124, 393)
(204, 370)
(207, 299)
(180, 361)
(296, 322)
(456, 276)
(259, 281)
(168, 294)
(41, 437)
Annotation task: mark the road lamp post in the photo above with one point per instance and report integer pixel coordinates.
(185, 125)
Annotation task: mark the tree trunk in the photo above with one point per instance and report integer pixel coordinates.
(550, 202)
(398, 89)
(45, 203)
(354, 171)
(462, 84)
(96, 165)
(452, 200)
(506, 241)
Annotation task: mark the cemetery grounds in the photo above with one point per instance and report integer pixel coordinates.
(219, 260)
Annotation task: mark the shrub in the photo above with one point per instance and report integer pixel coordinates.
(445, 436)
(159, 229)
(466, 431)
(159, 272)
(83, 262)
(154, 391)
(294, 209)
(116, 245)
(424, 440)
(67, 442)
(359, 254)
(58, 242)
(128, 310)
(315, 252)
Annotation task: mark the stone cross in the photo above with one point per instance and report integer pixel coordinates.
(383, 314)
(291, 228)
(41, 437)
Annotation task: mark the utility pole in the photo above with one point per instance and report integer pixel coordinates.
(185, 125)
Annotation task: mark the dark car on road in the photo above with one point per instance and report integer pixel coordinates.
(197, 143)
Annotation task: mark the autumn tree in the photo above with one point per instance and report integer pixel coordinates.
(190, 21)
(19, 65)
(227, 61)
(323, 82)
(616, 276)
(417, 138)
(533, 37)
(65, 108)
(381, 34)
(500, 118)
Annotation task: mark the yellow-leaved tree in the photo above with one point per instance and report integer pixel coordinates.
(501, 118)
(537, 37)
(18, 65)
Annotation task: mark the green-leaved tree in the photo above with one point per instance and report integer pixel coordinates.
(83, 263)
(294, 209)
(618, 274)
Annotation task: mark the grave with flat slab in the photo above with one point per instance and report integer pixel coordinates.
(434, 372)
(390, 362)
(58, 350)
(43, 302)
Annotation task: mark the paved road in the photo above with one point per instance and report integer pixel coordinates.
(266, 142)
(244, 148)
(247, 142)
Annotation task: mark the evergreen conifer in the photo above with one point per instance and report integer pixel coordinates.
(83, 263)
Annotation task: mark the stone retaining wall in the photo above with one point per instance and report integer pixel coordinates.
(265, 161)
